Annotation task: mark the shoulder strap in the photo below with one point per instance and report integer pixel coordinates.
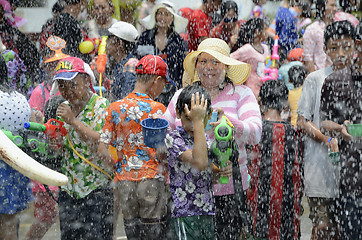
(43, 92)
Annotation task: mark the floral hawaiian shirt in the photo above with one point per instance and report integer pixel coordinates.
(191, 189)
(123, 130)
(83, 178)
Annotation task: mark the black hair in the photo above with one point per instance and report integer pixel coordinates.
(346, 5)
(171, 29)
(185, 98)
(320, 6)
(4, 82)
(297, 75)
(71, 2)
(282, 55)
(247, 30)
(227, 6)
(274, 94)
(306, 9)
(359, 31)
(58, 7)
(338, 29)
(128, 46)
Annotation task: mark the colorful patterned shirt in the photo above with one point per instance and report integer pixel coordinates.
(123, 130)
(191, 189)
(83, 178)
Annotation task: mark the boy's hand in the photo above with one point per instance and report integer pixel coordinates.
(198, 108)
(226, 171)
(345, 135)
(333, 145)
(65, 112)
(36, 116)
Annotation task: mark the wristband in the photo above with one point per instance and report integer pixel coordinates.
(329, 140)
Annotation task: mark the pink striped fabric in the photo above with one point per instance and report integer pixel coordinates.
(240, 106)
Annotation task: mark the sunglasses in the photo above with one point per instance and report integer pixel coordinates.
(227, 20)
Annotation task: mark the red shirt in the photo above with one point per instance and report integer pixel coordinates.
(199, 26)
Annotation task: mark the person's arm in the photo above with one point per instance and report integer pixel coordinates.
(107, 136)
(248, 124)
(311, 130)
(309, 45)
(334, 129)
(198, 156)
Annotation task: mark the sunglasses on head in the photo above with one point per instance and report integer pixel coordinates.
(230, 19)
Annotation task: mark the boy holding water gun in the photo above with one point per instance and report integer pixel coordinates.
(275, 169)
(190, 169)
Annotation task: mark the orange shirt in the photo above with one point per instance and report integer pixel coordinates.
(123, 130)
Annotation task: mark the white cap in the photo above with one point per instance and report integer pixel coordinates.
(124, 30)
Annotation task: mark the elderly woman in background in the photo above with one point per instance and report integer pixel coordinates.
(162, 39)
(211, 67)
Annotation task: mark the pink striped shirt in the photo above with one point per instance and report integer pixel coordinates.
(242, 109)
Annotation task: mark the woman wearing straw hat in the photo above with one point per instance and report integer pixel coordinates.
(212, 67)
(163, 39)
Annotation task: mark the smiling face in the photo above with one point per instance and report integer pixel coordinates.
(163, 18)
(76, 89)
(230, 19)
(331, 9)
(210, 70)
(103, 11)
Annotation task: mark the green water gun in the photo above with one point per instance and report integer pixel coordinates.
(31, 143)
(222, 147)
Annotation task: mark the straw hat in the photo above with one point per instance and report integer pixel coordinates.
(150, 21)
(237, 72)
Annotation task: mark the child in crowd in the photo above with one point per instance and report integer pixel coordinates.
(252, 50)
(297, 74)
(189, 167)
(86, 202)
(321, 176)
(138, 171)
(294, 58)
(276, 187)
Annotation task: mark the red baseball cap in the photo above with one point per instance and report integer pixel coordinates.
(154, 65)
(68, 68)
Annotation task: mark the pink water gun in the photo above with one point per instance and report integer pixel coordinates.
(271, 72)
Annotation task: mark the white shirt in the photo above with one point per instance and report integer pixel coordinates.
(321, 177)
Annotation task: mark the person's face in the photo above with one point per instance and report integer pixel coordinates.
(213, 5)
(210, 70)
(230, 19)
(163, 18)
(103, 12)
(75, 90)
(340, 51)
(260, 35)
(331, 9)
(157, 86)
(49, 67)
(187, 123)
(358, 44)
(114, 45)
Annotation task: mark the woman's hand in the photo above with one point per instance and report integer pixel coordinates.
(345, 135)
(226, 171)
(65, 112)
(220, 113)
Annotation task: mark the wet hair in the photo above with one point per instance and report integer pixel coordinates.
(185, 98)
(338, 29)
(274, 94)
(282, 55)
(359, 31)
(346, 5)
(4, 85)
(227, 6)
(247, 30)
(71, 2)
(297, 75)
(320, 6)
(171, 29)
(58, 7)
(144, 78)
(306, 9)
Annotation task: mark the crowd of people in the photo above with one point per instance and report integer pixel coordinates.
(290, 132)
